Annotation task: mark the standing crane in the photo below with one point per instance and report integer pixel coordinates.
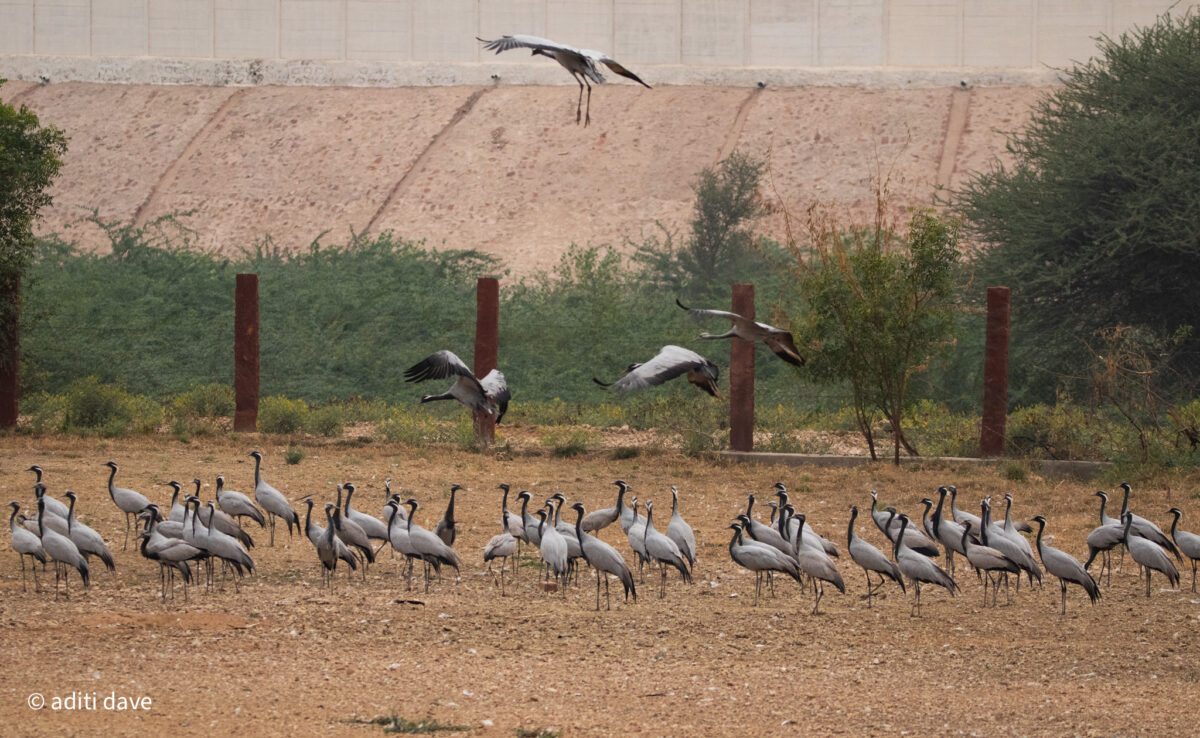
(501, 546)
(272, 500)
(919, 569)
(679, 531)
(581, 63)
(818, 566)
(1188, 543)
(870, 559)
(1065, 567)
(1149, 555)
(445, 528)
(129, 502)
(663, 550)
(63, 552)
(25, 544)
(760, 558)
(604, 559)
(237, 505)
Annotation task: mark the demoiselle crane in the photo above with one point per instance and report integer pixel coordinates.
(237, 505)
(604, 559)
(489, 394)
(272, 500)
(760, 558)
(871, 559)
(25, 544)
(1149, 555)
(663, 550)
(445, 528)
(817, 565)
(1065, 567)
(778, 340)
(668, 363)
(918, 568)
(63, 552)
(581, 63)
(1188, 543)
(129, 502)
(679, 531)
(986, 559)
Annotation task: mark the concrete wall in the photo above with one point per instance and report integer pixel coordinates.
(433, 41)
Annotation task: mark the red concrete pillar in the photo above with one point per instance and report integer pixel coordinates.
(487, 347)
(741, 376)
(995, 374)
(245, 354)
(10, 317)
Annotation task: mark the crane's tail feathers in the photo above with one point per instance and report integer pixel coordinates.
(602, 384)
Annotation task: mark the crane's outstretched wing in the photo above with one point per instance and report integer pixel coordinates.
(699, 313)
(438, 365)
(781, 344)
(495, 388)
(519, 41)
(617, 67)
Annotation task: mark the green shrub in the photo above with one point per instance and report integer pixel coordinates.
(90, 405)
(328, 421)
(281, 415)
(45, 411)
(1064, 431)
(294, 455)
(936, 431)
(204, 401)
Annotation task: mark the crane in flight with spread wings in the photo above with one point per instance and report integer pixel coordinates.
(581, 63)
(489, 394)
(776, 339)
(670, 362)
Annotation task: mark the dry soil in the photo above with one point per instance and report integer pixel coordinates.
(283, 656)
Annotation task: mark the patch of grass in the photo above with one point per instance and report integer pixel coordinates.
(536, 733)
(397, 724)
(566, 442)
(1015, 473)
(625, 452)
(294, 455)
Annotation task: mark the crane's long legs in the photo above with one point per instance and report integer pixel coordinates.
(579, 104)
(126, 544)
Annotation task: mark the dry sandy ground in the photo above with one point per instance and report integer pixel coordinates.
(284, 656)
(502, 169)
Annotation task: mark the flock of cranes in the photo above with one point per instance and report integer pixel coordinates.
(195, 533)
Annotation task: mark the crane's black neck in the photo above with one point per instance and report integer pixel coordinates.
(850, 526)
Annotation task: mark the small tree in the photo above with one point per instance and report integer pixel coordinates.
(30, 158)
(722, 246)
(878, 307)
